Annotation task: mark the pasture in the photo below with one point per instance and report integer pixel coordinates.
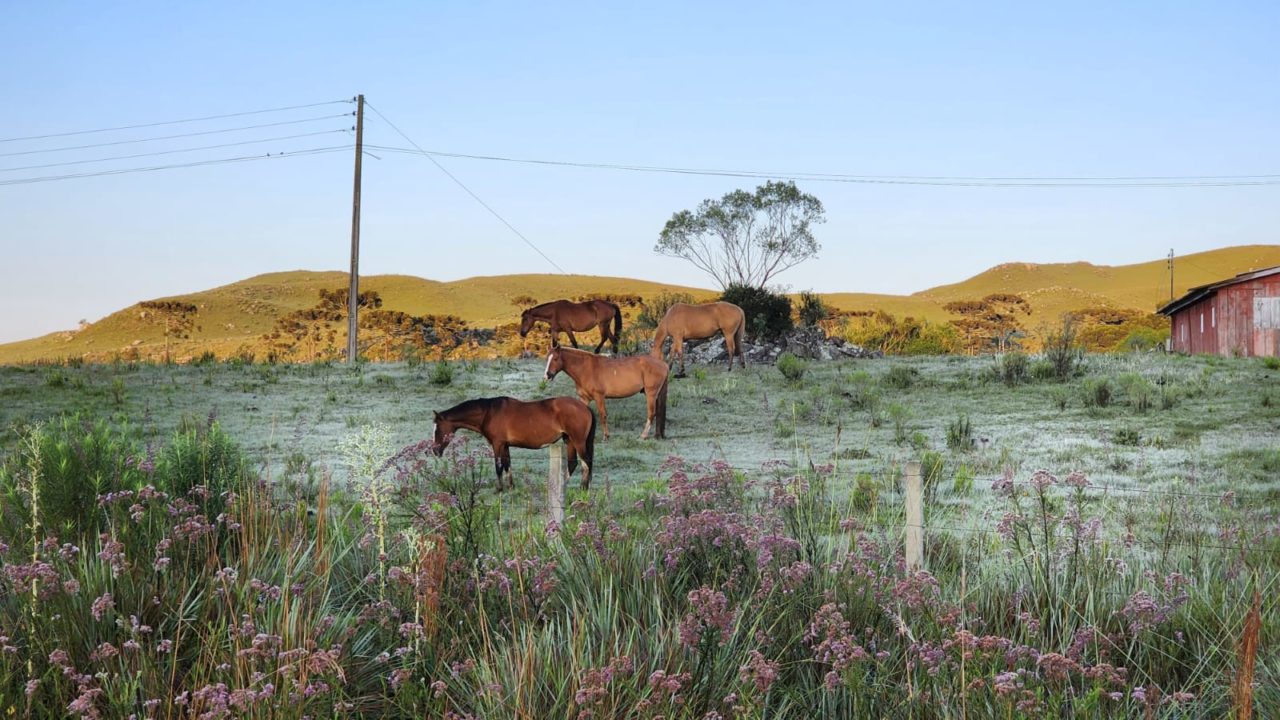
(743, 567)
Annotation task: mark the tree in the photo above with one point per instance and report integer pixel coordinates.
(991, 320)
(746, 238)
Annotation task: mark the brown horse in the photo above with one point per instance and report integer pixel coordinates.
(598, 377)
(567, 316)
(506, 422)
(697, 322)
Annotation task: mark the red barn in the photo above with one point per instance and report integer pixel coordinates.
(1236, 316)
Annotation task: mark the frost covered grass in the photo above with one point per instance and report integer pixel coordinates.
(278, 542)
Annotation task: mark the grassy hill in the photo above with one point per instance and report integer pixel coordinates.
(236, 315)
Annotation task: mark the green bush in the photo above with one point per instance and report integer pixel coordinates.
(900, 416)
(1126, 436)
(768, 313)
(1138, 391)
(1063, 350)
(812, 309)
(200, 454)
(441, 373)
(1012, 368)
(791, 367)
(1143, 339)
(1060, 397)
(901, 377)
(1042, 370)
(654, 309)
(1097, 392)
(1271, 363)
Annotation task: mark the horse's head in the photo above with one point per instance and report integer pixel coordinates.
(555, 362)
(526, 322)
(444, 433)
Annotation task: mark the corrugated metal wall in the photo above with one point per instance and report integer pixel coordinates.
(1240, 319)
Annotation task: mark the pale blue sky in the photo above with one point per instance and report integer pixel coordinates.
(1008, 89)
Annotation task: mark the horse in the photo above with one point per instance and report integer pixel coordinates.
(567, 316)
(697, 322)
(506, 422)
(598, 377)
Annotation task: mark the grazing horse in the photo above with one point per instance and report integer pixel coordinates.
(598, 377)
(567, 316)
(697, 322)
(506, 422)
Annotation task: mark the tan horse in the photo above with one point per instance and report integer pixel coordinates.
(566, 316)
(598, 377)
(506, 423)
(697, 322)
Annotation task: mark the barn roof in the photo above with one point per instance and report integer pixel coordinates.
(1196, 294)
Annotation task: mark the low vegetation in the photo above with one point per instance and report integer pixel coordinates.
(232, 539)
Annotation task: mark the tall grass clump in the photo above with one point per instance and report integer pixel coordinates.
(960, 433)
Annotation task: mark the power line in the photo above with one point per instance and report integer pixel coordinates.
(1137, 181)
(173, 137)
(460, 184)
(171, 152)
(201, 163)
(173, 122)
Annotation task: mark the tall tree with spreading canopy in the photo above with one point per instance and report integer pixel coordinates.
(746, 238)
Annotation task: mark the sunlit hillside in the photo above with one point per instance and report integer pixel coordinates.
(235, 316)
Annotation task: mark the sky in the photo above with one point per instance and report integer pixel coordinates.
(906, 89)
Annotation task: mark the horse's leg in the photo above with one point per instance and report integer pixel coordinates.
(651, 399)
(572, 339)
(497, 464)
(730, 344)
(604, 335)
(555, 334)
(604, 417)
(677, 348)
(506, 467)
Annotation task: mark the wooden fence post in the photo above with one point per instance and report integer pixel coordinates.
(555, 482)
(915, 518)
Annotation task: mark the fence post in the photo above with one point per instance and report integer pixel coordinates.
(915, 518)
(555, 482)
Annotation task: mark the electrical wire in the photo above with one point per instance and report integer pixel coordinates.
(171, 152)
(173, 137)
(462, 185)
(175, 122)
(1135, 181)
(201, 163)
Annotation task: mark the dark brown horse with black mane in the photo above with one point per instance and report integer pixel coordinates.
(696, 322)
(567, 316)
(506, 423)
(598, 377)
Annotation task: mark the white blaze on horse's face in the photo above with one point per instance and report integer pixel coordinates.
(547, 372)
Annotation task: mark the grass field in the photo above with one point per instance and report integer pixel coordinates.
(754, 577)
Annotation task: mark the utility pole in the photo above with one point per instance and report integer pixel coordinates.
(353, 298)
(1170, 274)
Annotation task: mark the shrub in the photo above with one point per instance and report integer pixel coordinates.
(891, 336)
(1126, 436)
(1271, 363)
(1143, 339)
(653, 309)
(1138, 391)
(441, 373)
(811, 310)
(1097, 392)
(1042, 370)
(865, 492)
(1060, 398)
(960, 433)
(768, 313)
(199, 454)
(1012, 368)
(1062, 349)
(901, 377)
(791, 367)
(899, 415)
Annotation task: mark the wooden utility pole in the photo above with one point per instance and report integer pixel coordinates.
(353, 299)
(1170, 274)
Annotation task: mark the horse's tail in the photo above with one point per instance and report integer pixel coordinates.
(660, 411)
(589, 455)
(617, 325)
(738, 336)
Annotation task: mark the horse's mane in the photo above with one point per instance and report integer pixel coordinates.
(470, 406)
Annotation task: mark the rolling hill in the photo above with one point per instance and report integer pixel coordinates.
(236, 315)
